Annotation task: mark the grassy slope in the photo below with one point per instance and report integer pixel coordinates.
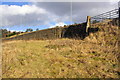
(95, 56)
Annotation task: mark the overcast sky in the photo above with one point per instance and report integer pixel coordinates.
(22, 15)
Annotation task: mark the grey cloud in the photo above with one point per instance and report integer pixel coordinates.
(79, 9)
(58, 8)
(59, 12)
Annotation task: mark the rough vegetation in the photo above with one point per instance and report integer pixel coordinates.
(94, 57)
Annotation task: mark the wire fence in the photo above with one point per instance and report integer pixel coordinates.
(113, 14)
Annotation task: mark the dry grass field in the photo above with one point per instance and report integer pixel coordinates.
(94, 57)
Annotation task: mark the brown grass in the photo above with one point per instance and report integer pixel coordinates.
(94, 57)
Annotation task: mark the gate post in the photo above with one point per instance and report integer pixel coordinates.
(88, 23)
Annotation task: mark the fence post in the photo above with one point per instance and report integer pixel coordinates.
(88, 23)
(59, 33)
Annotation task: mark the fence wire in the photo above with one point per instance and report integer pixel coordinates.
(113, 14)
